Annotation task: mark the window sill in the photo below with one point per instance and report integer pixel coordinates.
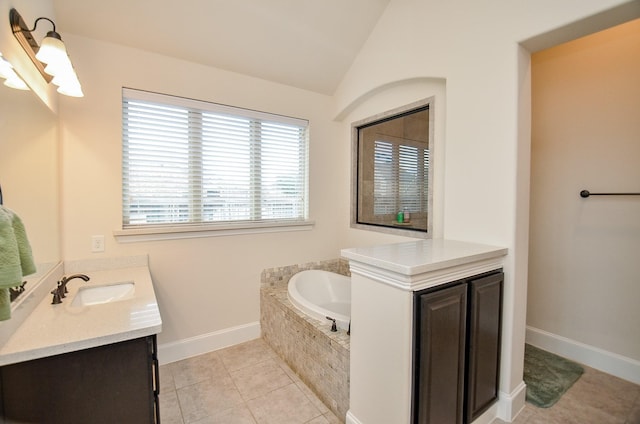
(133, 235)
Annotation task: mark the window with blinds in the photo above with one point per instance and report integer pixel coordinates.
(393, 171)
(189, 162)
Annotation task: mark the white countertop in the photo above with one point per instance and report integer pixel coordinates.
(56, 329)
(419, 264)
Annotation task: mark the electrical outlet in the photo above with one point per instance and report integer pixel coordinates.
(97, 243)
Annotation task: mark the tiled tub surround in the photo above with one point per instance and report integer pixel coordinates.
(318, 356)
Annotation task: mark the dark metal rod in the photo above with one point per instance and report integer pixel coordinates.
(587, 193)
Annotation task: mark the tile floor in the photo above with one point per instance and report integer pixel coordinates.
(242, 384)
(249, 384)
(596, 398)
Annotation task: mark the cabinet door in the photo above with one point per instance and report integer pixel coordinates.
(440, 356)
(485, 315)
(102, 385)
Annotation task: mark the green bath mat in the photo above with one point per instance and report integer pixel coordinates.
(547, 376)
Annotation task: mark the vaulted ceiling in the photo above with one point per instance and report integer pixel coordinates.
(308, 44)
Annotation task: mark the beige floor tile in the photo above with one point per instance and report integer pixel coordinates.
(291, 373)
(245, 354)
(287, 405)
(595, 398)
(313, 398)
(605, 393)
(237, 415)
(302, 386)
(197, 369)
(634, 415)
(208, 398)
(259, 379)
(332, 419)
(170, 412)
(166, 379)
(214, 388)
(318, 420)
(541, 419)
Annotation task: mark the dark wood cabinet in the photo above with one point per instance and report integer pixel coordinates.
(440, 352)
(457, 349)
(116, 383)
(485, 322)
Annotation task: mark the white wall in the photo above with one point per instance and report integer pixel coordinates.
(475, 47)
(204, 285)
(584, 273)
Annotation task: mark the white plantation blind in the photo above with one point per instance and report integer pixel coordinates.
(400, 177)
(190, 162)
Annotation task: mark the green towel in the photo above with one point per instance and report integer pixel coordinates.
(5, 304)
(16, 259)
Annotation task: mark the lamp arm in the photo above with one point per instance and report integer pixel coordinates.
(35, 24)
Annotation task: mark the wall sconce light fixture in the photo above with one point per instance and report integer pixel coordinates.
(11, 78)
(50, 57)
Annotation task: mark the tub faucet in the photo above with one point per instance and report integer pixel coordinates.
(61, 291)
(334, 328)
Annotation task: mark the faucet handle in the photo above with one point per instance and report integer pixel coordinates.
(56, 296)
(334, 328)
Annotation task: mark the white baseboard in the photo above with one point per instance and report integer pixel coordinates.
(511, 404)
(351, 419)
(609, 362)
(186, 348)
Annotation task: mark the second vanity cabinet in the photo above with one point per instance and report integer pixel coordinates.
(115, 383)
(446, 371)
(457, 349)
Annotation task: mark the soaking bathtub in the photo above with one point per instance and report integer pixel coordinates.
(322, 295)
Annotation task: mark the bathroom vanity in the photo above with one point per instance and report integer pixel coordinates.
(91, 358)
(425, 332)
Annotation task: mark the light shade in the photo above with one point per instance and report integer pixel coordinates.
(51, 52)
(16, 82)
(11, 78)
(71, 90)
(66, 79)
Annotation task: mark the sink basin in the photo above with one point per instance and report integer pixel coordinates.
(96, 295)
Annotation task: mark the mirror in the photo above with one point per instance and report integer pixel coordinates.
(391, 171)
(29, 170)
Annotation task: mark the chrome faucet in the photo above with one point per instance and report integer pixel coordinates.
(61, 291)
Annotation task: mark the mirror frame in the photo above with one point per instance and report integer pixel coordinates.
(355, 166)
